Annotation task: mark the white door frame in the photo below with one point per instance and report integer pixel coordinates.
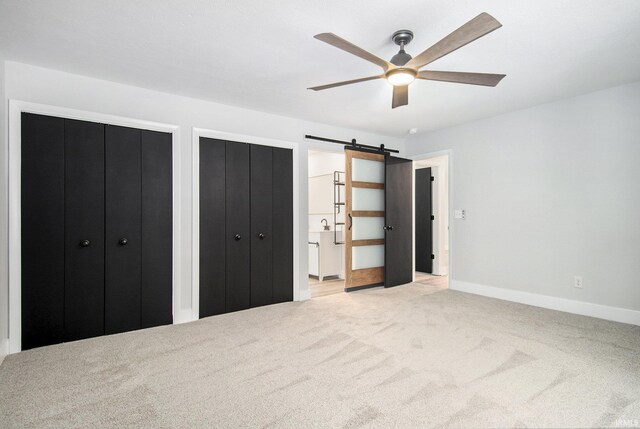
(428, 155)
(195, 210)
(16, 108)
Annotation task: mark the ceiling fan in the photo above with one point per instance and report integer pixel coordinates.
(402, 69)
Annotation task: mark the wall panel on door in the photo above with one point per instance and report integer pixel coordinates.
(42, 205)
(238, 248)
(365, 209)
(261, 225)
(282, 225)
(84, 229)
(212, 227)
(157, 229)
(122, 229)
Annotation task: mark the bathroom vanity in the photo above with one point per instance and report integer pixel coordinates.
(325, 257)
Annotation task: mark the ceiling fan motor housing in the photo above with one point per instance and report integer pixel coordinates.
(401, 38)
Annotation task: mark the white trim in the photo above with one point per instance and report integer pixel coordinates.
(16, 108)
(449, 154)
(195, 210)
(616, 314)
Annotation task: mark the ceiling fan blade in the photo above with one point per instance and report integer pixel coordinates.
(400, 96)
(349, 47)
(472, 30)
(346, 82)
(485, 79)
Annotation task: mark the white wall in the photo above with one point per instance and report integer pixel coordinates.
(550, 192)
(321, 163)
(324, 164)
(45, 86)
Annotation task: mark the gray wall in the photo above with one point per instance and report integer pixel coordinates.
(4, 272)
(550, 192)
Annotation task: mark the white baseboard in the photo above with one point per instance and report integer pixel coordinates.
(4, 348)
(615, 314)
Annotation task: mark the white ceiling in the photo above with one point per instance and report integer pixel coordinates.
(262, 55)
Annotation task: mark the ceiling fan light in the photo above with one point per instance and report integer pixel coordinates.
(401, 77)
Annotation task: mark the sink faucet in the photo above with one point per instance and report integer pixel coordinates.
(326, 224)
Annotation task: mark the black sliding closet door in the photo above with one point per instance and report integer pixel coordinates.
(122, 229)
(282, 225)
(246, 226)
(157, 229)
(213, 230)
(398, 252)
(96, 229)
(261, 225)
(42, 196)
(238, 240)
(84, 230)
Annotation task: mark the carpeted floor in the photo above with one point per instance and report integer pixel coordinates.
(413, 356)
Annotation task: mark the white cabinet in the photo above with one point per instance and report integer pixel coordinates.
(325, 258)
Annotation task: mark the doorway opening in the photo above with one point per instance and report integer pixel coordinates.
(326, 174)
(431, 220)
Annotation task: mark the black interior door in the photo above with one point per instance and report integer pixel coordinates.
(424, 222)
(157, 229)
(42, 212)
(84, 230)
(398, 220)
(213, 231)
(282, 192)
(122, 229)
(238, 229)
(261, 225)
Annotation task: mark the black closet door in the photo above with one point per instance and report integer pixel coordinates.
(238, 240)
(424, 223)
(42, 196)
(122, 230)
(261, 225)
(212, 227)
(157, 229)
(282, 225)
(398, 217)
(84, 230)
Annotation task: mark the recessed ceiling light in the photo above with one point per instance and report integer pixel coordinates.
(413, 130)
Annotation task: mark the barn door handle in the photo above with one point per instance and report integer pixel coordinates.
(261, 236)
(237, 237)
(85, 243)
(123, 241)
(350, 221)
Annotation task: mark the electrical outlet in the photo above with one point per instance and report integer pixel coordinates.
(577, 282)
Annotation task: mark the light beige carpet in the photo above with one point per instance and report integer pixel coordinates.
(414, 356)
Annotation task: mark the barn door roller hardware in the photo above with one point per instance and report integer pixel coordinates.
(354, 145)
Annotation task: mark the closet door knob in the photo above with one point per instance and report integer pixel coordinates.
(261, 236)
(237, 237)
(123, 241)
(85, 243)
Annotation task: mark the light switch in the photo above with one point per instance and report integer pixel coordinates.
(458, 214)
